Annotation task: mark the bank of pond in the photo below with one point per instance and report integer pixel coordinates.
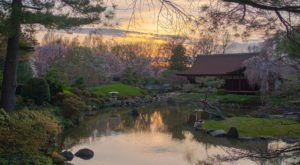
(161, 131)
(164, 134)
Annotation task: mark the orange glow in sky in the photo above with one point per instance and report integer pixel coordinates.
(147, 19)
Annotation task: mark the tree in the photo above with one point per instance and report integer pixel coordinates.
(51, 13)
(207, 85)
(289, 46)
(178, 61)
(46, 55)
(255, 15)
(245, 17)
(83, 63)
(137, 57)
(272, 11)
(268, 69)
(209, 42)
(225, 42)
(116, 66)
(206, 45)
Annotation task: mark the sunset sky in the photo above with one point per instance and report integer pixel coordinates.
(146, 15)
(147, 20)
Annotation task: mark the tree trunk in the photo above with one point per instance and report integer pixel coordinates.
(9, 83)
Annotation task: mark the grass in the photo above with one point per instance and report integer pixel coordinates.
(124, 90)
(67, 89)
(225, 98)
(235, 98)
(250, 126)
(243, 99)
(278, 100)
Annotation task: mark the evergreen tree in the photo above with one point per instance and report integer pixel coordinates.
(51, 14)
(178, 60)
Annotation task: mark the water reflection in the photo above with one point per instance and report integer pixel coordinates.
(155, 137)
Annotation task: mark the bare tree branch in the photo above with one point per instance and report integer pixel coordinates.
(287, 8)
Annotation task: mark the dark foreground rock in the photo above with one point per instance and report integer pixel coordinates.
(68, 155)
(85, 154)
(233, 133)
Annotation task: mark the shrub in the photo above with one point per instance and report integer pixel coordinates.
(37, 89)
(71, 106)
(124, 90)
(78, 83)
(221, 92)
(55, 86)
(189, 87)
(24, 72)
(130, 77)
(151, 80)
(97, 102)
(26, 136)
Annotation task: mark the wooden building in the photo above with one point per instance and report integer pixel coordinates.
(225, 66)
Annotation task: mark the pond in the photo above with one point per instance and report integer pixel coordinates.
(161, 135)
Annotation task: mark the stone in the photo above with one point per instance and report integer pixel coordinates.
(290, 140)
(218, 133)
(85, 154)
(266, 138)
(68, 155)
(233, 133)
(247, 138)
(209, 131)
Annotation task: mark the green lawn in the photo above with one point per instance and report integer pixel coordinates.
(67, 89)
(124, 90)
(234, 98)
(225, 98)
(249, 126)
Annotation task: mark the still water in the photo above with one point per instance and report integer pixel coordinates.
(159, 136)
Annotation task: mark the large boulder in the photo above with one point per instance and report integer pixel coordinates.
(218, 133)
(85, 154)
(68, 155)
(233, 133)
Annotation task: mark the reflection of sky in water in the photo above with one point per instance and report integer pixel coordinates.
(152, 146)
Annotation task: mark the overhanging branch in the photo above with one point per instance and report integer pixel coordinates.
(287, 8)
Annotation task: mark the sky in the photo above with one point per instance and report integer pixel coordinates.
(145, 22)
(144, 17)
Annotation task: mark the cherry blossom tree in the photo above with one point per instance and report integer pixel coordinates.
(268, 70)
(116, 66)
(46, 55)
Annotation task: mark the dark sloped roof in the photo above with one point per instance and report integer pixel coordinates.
(219, 64)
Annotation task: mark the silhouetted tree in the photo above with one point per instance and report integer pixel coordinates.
(178, 60)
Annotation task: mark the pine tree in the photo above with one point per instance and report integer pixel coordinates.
(178, 61)
(15, 14)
